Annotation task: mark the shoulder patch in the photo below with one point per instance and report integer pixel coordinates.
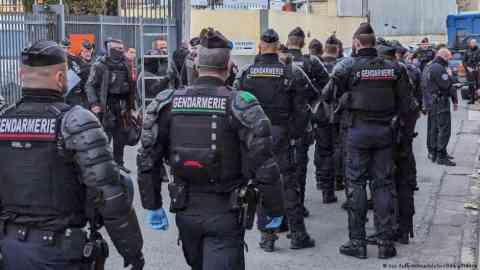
(247, 96)
(445, 77)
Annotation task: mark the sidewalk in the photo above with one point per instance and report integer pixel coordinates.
(451, 234)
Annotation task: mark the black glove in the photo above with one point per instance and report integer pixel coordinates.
(137, 263)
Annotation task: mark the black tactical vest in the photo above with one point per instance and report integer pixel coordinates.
(270, 84)
(204, 149)
(38, 179)
(119, 79)
(305, 63)
(372, 86)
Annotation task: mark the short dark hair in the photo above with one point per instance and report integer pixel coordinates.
(296, 41)
(331, 49)
(367, 39)
(217, 58)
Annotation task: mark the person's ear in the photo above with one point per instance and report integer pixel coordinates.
(61, 80)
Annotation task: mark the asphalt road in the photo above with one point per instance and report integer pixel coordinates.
(327, 224)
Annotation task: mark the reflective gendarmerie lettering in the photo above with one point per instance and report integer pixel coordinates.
(299, 64)
(377, 74)
(266, 72)
(199, 104)
(27, 129)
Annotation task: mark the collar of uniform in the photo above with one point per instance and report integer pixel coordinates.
(209, 81)
(440, 61)
(295, 51)
(367, 52)
(268, 57)
(42, 95)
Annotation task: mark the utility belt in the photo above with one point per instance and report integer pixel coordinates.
(74, 242)
(242, 199)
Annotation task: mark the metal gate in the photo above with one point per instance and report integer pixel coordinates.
(18, 30)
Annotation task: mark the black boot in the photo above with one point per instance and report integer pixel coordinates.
(386, 249)
(446, 162)
(354, 248)
(339, 183)
(328, 196)
(306, 213)
(300, 240)
(267, 243)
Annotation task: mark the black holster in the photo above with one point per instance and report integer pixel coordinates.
(96, 250)
(244, 200)
(178, 196)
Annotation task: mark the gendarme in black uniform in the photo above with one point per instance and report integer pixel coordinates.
(370, 91)
(59, 161)
(215, 140)
(110, 86)
(282, 91)
(317, 73)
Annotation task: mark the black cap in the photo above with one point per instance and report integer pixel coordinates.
(297, 32)
(87, 45)
(215, 40)
(332, 40)
(195, 41)
(364, 29)
(425, 40)
(315, 44)
(44, 53)
(385, 47)
(270, 36)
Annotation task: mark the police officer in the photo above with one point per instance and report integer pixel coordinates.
(439, 85)
(370, 92)
(59, 161)
(231, 144)
(326, 135)
(282, 91)
(317, 73)
(424, 53)
(471, 62)
(111, 95)
(315, 48)
(81, 65)
(405, 166)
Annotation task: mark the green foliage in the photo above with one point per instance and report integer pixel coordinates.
(82, 7)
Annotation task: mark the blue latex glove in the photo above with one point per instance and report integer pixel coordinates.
(157, 219)
(274, 223)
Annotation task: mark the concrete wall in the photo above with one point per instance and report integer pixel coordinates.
(244, 25)
(315, 26)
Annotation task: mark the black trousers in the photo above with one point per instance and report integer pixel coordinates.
(291, 187)
(34, 255)
(370, 157)
(473, 79)
(324, 158)
(211, 236)
(439, 127)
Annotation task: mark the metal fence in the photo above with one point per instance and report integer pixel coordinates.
(232, 4)
(18, 30)
(128, 29)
